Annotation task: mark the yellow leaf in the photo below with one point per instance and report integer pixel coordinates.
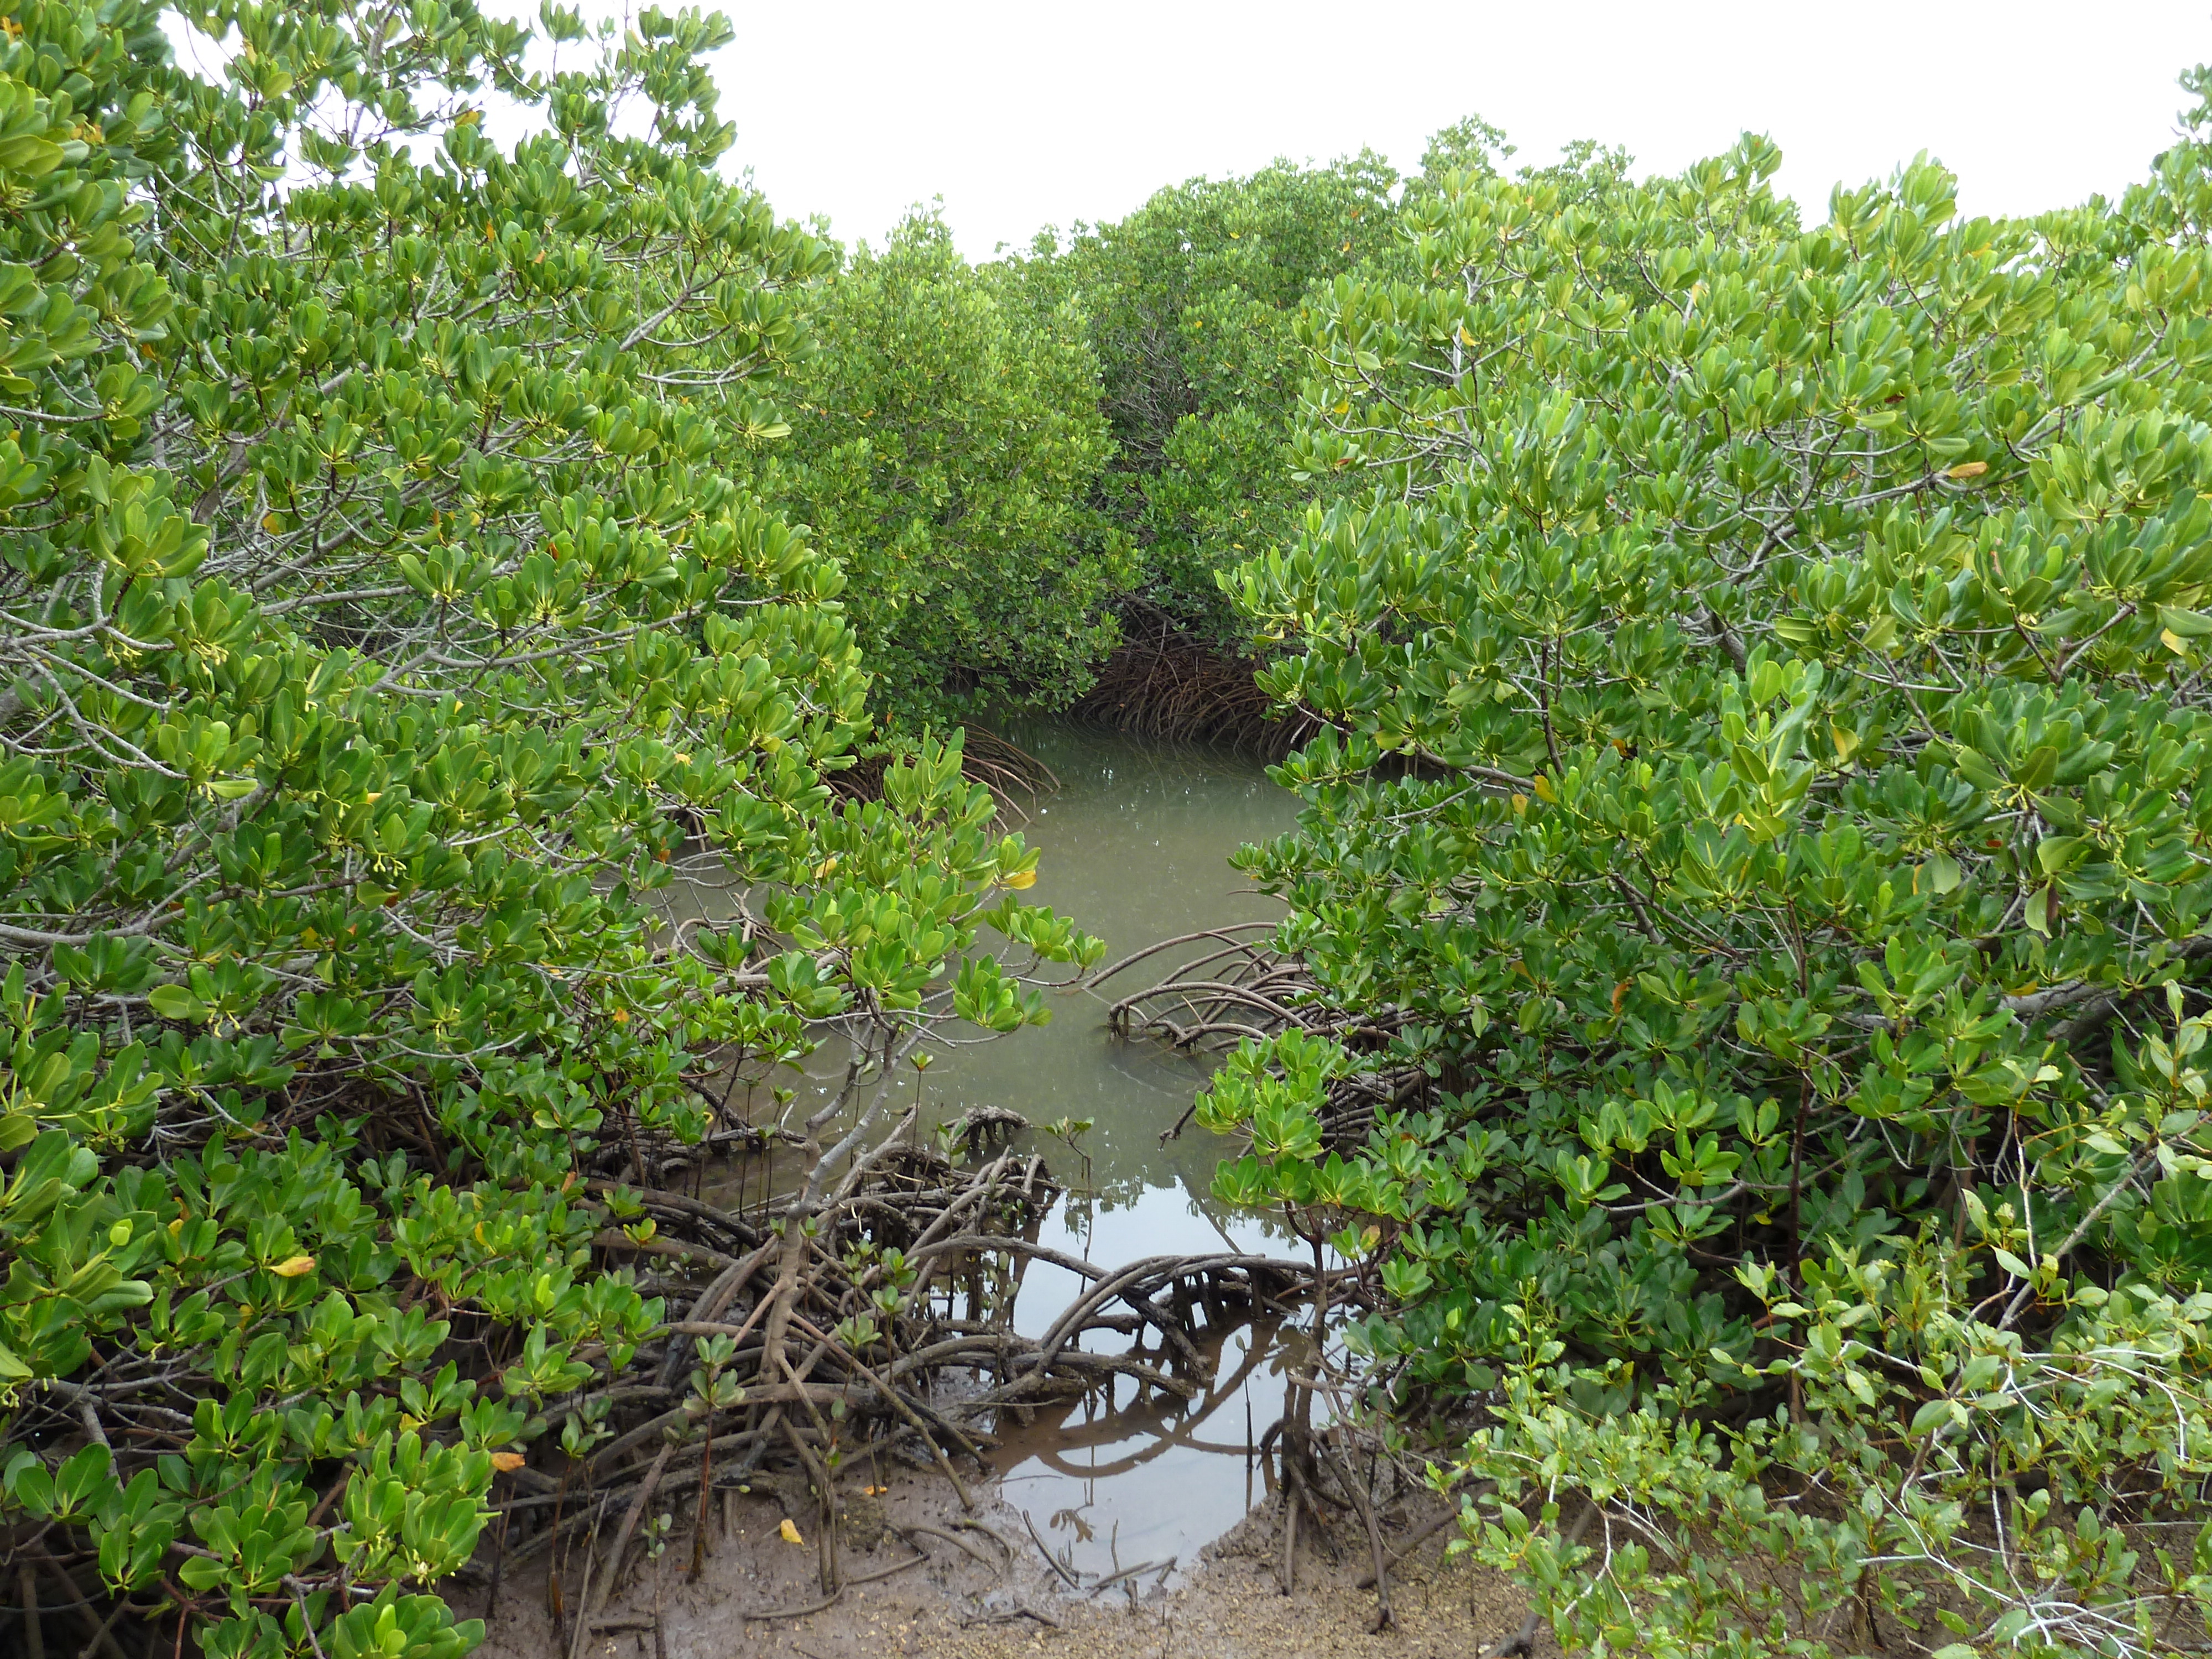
(1520, 804)
(269, 524)
(1019, 879)
(504, 1461)
(1966, 470)
(293, 1267)
(1847, 742)
(621, 1016)
(874, 1492)
(790, 1531)
(1542, 786)
(2172, 641)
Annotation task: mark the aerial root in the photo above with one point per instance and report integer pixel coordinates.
(1164, 684)
(840, 1328)
(1243, 988)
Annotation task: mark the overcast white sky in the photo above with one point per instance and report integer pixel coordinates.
(1020, 115)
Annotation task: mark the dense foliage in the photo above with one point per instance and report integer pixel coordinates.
(947, 442)
(1760, 846)
(1192, 302)
(1012, 457)
(1769, 798)
(385, 625)
(1010, 460)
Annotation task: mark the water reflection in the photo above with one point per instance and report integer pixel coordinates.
(1135, 846)
(1113, 1484)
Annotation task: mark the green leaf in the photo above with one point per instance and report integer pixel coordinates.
(2055, 853)
(30, 154)
(175, 1002)
(1933, 1416)
(2190, 624)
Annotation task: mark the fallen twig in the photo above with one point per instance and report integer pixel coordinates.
(1050, 1559)
(958, 1543)
(622, 1533)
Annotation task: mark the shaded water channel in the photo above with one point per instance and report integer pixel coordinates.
(1135, 845)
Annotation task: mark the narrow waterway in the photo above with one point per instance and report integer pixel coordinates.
(1135, 845)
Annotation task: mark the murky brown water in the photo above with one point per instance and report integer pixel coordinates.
(1135, 846)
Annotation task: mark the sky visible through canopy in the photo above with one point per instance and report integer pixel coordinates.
(1026, 114)
(1018, 116)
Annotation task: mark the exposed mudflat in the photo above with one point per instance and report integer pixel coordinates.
(997, 1598)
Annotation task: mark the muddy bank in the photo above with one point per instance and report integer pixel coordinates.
(927, 1578)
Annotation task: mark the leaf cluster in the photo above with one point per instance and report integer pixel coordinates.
(1765, 807)
(416, 741)
(947, 441)
(1191, 304)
